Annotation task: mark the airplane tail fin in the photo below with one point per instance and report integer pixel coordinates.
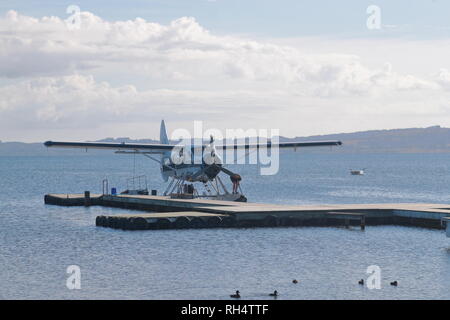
(163, 139)
(163, 134)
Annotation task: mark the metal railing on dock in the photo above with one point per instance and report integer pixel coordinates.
(105, 187)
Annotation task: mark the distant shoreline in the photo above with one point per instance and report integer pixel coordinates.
(434, 139)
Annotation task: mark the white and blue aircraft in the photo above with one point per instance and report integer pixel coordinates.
(177, 161)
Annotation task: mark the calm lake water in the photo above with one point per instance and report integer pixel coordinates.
(38, 242)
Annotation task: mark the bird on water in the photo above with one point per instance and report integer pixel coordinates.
(394, 283)
(274, 294)
(361, 282)
(294, 281)
(236, 295)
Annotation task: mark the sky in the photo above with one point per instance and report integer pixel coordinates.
(116, 68)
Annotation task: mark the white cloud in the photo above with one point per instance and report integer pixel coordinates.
(131, 72)
(181, 50)
(79, 101)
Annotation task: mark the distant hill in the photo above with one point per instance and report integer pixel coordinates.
(413, 140)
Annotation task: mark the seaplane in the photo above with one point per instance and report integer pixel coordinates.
(183, 174)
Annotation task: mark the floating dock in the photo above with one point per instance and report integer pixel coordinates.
(446, 222)
(168, 213)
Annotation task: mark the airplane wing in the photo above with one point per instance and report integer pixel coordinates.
(148, 148)
(161, 148)
(293, 145)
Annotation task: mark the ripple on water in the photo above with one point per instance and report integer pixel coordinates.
(38, 242)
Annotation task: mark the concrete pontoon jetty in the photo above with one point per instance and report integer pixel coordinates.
(168, 213)
(446, 223)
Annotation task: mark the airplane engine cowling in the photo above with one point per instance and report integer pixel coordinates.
(210, 156)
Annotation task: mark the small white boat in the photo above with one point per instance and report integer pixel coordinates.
(357, 172)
